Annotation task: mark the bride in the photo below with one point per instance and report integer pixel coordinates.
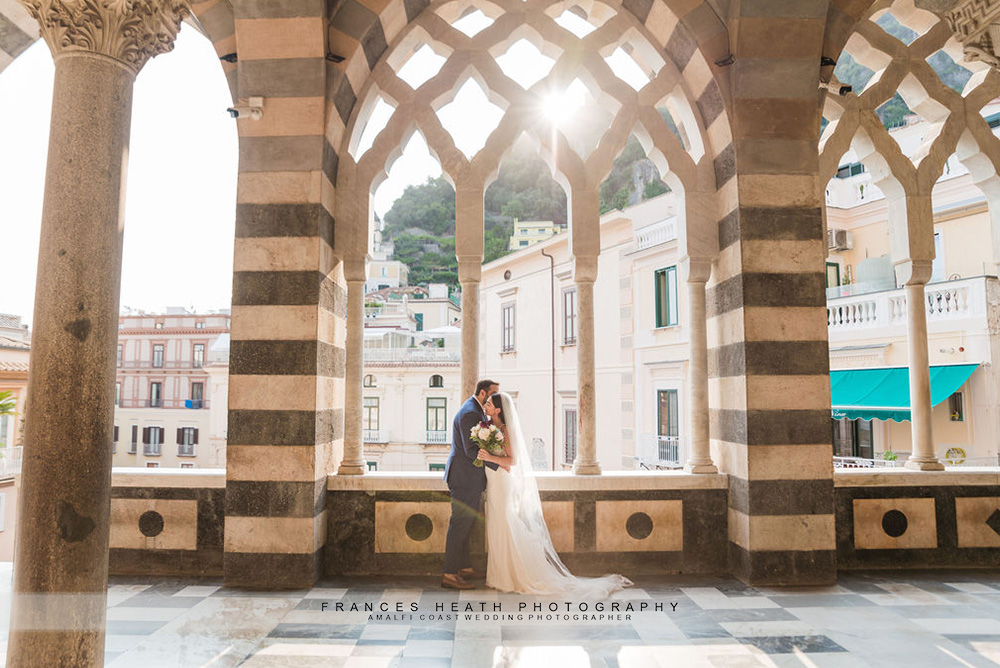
(521, 556)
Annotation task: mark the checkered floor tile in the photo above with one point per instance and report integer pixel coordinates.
(933, 619)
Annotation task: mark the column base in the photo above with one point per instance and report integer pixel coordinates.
(700, 468)
(351, 468)
(924, 464)
(587, 469)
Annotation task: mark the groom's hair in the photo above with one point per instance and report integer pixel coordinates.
(485, 385)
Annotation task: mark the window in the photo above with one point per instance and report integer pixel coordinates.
(419, 317)
(199, 325)
(4, 427)
(369, 415)
(152, 465)
(437, 381)
(135, 439)
(155, 395)
(158, 355)
(119, 355)
(853, 438)
(937, 265)
(667, 413)
(569, 316)
(114, 440)
(435, 467)
(507, 329)
(667, 426)
(523, 243)
(369, 381)
(187, 465)
(437, 418)
(832, 274)
(152, 439)
(199, 355)
(666, 297)
(385, 272)
(569, 435)
(524, 231)
(158, 325)
(187, 438)
(956, 411)
(852, 169)
(118, 394)
(197, 395)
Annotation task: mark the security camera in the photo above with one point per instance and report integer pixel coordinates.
(836, 88)
(252, 108)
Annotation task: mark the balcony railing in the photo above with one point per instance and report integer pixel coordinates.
(411, 355)
(387, 311)
(152, 449)
(10, 461)
(164, 403)
(656, 234)
(661, 452)
(954, 300)
(169, 364)
(435, 437)
(862, 463)
(374, 436)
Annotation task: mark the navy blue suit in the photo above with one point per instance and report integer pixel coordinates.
(466, 483)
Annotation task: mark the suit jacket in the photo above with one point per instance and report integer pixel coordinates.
(460, 471)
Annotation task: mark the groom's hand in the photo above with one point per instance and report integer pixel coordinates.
(484, 455)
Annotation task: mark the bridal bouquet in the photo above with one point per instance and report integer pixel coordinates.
(488, 437)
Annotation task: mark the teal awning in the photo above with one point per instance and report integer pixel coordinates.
(884, 394)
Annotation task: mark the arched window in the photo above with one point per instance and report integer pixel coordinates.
(369, 381)
(437, 381)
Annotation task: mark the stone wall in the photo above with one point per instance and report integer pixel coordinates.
(926, 519)
(167, 522)
(170, 523)
(627, 522)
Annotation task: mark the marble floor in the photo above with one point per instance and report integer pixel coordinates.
(932, 619)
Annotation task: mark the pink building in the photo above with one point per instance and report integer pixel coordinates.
(162, 388)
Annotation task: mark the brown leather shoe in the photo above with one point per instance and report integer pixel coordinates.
(472, 574)
(451, 581)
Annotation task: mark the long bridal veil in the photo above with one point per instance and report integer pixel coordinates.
(524, 509)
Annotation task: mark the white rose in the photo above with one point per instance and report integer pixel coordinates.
(500, 436)
(484, 434)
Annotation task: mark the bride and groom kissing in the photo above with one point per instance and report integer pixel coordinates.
(520, 557)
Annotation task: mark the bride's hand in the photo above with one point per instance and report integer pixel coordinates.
(484, 455)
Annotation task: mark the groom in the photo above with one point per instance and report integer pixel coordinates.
(466, 484)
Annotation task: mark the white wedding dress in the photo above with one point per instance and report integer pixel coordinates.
(521, 557)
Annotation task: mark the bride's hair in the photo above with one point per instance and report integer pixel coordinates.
(498, 404)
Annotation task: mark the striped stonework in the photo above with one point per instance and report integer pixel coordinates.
(289, 302)
(768, 353)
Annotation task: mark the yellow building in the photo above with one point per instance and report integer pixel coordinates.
(528, 232)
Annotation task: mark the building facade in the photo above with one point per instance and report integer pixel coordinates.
(162, 391)
(529, 232)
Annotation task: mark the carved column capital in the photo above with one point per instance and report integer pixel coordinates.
(976, 24)
(129, 31)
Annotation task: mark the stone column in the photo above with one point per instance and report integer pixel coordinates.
(699, 451)
(469, 273)
(922, 456)
(354, 371)
(469, 236)
(61, 560)
(584, 275)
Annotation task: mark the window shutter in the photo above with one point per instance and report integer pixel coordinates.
(145, 435)
(196, 436)
(115, 437)
(162, 433)
(135, 432)
(180, 435)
